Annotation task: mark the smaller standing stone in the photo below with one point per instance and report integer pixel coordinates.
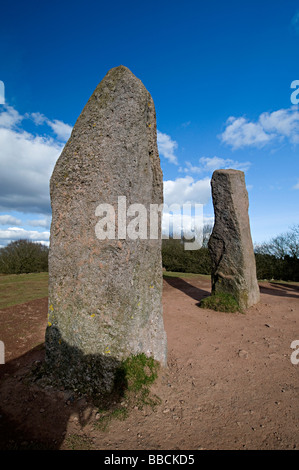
(230, 245)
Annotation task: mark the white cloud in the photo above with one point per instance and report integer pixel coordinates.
(45, 222)
(184, 191)
(208, 219)
(181, 224)
(240, 133)
(281, 124)
(27, 161)
(17, 233)
(60, 128)
(208, 165)
(187, 190)
(8, 219)
(167, 147)
(215, 163)
(10, 117)
(2, 92)
(284, 122)
(183, 220)
(37, 118)
(296, 185)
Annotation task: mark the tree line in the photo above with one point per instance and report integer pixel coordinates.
(277, 259)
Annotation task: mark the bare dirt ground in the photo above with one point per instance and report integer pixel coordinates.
(230, 383)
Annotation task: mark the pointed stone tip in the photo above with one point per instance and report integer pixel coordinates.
(124, 76)
(121, 73)
(120, 69)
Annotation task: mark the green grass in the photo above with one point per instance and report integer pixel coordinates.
(105, 416)
(276, 281)
(221, 302)
(138, 372)
(185, 275)
(77, 442)
(20, 288)
(133, 379)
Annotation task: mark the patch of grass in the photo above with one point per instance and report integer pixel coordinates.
(221, 302)
(139, 372)
(133, 379)
(106, 416)
(274, 281)
(186, 275)
(77, 442)
(20, 288)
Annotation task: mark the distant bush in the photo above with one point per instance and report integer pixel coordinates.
(23, 256)
(176, 258)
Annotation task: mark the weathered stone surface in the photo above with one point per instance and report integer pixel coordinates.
(105, 295)
(230, 245)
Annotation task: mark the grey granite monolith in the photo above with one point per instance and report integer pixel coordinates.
(105, 291)
(230, 245)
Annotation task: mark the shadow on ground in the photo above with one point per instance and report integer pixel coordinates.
(34, 413)
(194, 292)
(280, 289)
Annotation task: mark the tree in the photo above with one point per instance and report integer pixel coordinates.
(176, 258)
(279, 258)
(285, 244)
(23, 256)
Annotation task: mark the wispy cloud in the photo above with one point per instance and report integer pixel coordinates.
(296, 186)
(2, 92)
(17, 233)
(45, 222)
(60, 128)
(209, 164)
(9, 220)
(10, 117)
(167, 147)
(295, 22)
(279, 125)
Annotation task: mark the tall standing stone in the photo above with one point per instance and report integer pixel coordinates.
(230, 245)
(105, 294)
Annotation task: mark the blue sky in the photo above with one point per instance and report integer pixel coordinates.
(220, 74)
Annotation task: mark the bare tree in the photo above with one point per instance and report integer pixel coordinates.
(285, 244)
